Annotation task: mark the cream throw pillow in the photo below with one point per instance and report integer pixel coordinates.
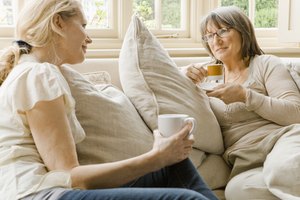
(154, 84)
(114, 129)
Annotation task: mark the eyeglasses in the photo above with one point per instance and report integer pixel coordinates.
(222, 32)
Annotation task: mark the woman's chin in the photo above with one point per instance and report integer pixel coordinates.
(221, 57)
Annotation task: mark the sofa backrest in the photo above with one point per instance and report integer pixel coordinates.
(111, 65)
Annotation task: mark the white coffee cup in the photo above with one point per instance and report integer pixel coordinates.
(169, 124)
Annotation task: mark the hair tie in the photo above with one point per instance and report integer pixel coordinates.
(23, 44)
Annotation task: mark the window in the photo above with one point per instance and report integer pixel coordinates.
(263, 13)
(101, 17)
(174, 22)
(289, 23)
(265, 18)
(6, 13)
(97, 13)
(167, 17)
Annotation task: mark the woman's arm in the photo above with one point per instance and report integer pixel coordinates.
(281, 104)
(53, 138)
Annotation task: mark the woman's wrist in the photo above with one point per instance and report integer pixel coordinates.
(156, 159)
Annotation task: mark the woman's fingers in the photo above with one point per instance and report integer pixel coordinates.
(196, 72)
(184, 132)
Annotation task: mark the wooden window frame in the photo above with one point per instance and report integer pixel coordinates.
(107, 43)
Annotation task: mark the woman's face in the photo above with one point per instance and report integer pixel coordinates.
(75, 40)
(226, 48)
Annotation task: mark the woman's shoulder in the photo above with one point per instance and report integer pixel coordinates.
(266, 65)
(30, 82)
(36, 67)
(267, 62)
(32, 74)
(267, 59)
(30, 68)
(29, 63)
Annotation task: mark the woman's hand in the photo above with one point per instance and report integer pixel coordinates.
(196, 72)
(175, 148)
(229, 93)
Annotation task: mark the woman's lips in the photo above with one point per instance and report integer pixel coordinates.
(220, 49)
(84, 49)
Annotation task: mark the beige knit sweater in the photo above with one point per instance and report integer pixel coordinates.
(251, 129)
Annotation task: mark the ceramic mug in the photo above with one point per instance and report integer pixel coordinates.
(168, 124)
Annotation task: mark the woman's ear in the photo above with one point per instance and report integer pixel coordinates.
(58, 25)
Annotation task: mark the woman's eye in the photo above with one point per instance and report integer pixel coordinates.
(222, 31)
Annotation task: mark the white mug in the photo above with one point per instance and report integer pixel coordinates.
(168, 124)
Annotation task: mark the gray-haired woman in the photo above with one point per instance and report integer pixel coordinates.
(258, 108)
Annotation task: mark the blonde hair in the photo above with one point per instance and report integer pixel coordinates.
(233, 17)
(35, 30)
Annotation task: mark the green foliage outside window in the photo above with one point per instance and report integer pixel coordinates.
(171, 13)
(97, 13)
(102, 14)
(6, 12)
(145, 10)
(265, 11)
(242, 4)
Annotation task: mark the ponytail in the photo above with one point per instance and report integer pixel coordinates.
(10, 57)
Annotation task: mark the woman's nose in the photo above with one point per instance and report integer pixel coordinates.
(216, 38)
(88, 40)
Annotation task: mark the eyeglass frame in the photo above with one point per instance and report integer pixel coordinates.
(209, 40)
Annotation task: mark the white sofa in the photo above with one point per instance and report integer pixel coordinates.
(212, 167)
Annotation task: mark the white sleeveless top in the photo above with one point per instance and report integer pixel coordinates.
(22, 171)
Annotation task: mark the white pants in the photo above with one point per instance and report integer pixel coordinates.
(279, 178)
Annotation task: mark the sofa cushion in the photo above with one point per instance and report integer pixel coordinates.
(294, 68)
(215, 171)
(114, 129)
(154, 84)
(98, 77)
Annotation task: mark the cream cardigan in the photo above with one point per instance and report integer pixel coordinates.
(251, 129)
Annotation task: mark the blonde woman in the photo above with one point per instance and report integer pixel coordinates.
(258, 108)
(39, 129)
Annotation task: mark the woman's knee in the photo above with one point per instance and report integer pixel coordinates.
(248, 185)
(282, 165)
(282, 176)
(186, 194)
(235, 189)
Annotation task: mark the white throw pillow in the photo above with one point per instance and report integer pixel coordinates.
(154, 84)
(98, 77)
(114, 129)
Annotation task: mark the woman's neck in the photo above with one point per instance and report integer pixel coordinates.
(236, 71)
(44, 54)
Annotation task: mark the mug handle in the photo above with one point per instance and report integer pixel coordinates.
(191, 119)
